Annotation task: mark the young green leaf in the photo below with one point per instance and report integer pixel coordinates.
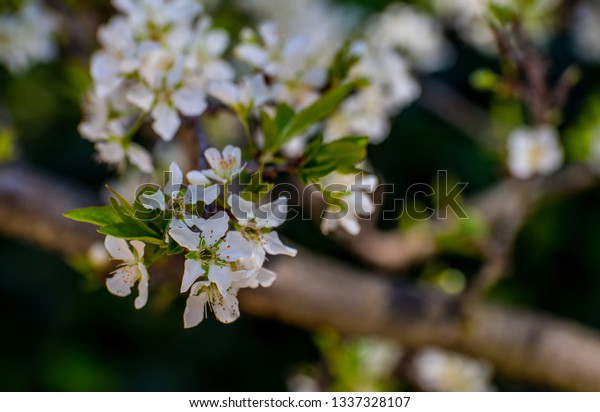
(96, 215)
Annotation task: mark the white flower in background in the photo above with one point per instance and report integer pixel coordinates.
(258, 222)
(288, 60)
(150, 18)
(204, 60)
(415, 34)
(439, 370)
(223, 165)
(26, 36)
(534, 151)
(471, 18)
(165, 90)
(109, 133)
(130, 272)
(351, 201)
(586, 31)
(391, 88)
(251, 93)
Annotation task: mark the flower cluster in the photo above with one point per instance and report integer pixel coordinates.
(158, 59)
(225, 243)
(26, 36)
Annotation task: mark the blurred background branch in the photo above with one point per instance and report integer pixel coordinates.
(314, 291)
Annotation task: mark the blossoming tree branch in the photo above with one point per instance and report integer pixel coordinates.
(201, 122)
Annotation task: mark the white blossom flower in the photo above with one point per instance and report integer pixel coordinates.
(534, 151)
(415, 34)
(130, 272)
(26, 36)
(164, 91)
(586, 31)
(250, 93)
(440, 370)
(257, 223)
(223, 165)
(351, 201)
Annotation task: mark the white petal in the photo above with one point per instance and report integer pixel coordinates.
(217, 41)
(166, 121)
(119, 249)
(141, 96)
(193, 270)
(215, 228)
(252, 54)
(274, 246)
(122, 281)
(185, 237)
(139, 248)
(226, 308)
(154, 201)
(140, 157)
(111, 152)
(195, 308)
(241, 209)
(214, 158)
(206, 194)
(269, 32)
(211, 174)
(142, 297)
(227, 92)
(266, 277)
(259, 92)
(221, 276)
(272, 214)
(196, 177)
(190, 102)
(234, 247)
(175, 180)
(233, 156)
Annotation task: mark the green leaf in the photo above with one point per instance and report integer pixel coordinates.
(255, 189)
(96, 215)
(129, 232)
(124, 202)
(273, 128)
(317, 111)
(340, 155)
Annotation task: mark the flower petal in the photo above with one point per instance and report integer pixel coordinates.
(274, 246)
(215, 228)
(234, 247)
(141, 96)
(195, 309)
(140, 157)
(221, 276)
(119, 249)
(166, 121)
(142, 297)
(190, 102)
(196, 177)
(266, 277)
(193, 270)
(185, 237)
(226, 308)
(242, 209)
(122, 281)
(272, 214)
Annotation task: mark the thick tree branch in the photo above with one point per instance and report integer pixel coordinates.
(314, 291)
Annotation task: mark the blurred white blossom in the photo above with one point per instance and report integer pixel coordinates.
(27, 36)
(439, 370)
(534, 151)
